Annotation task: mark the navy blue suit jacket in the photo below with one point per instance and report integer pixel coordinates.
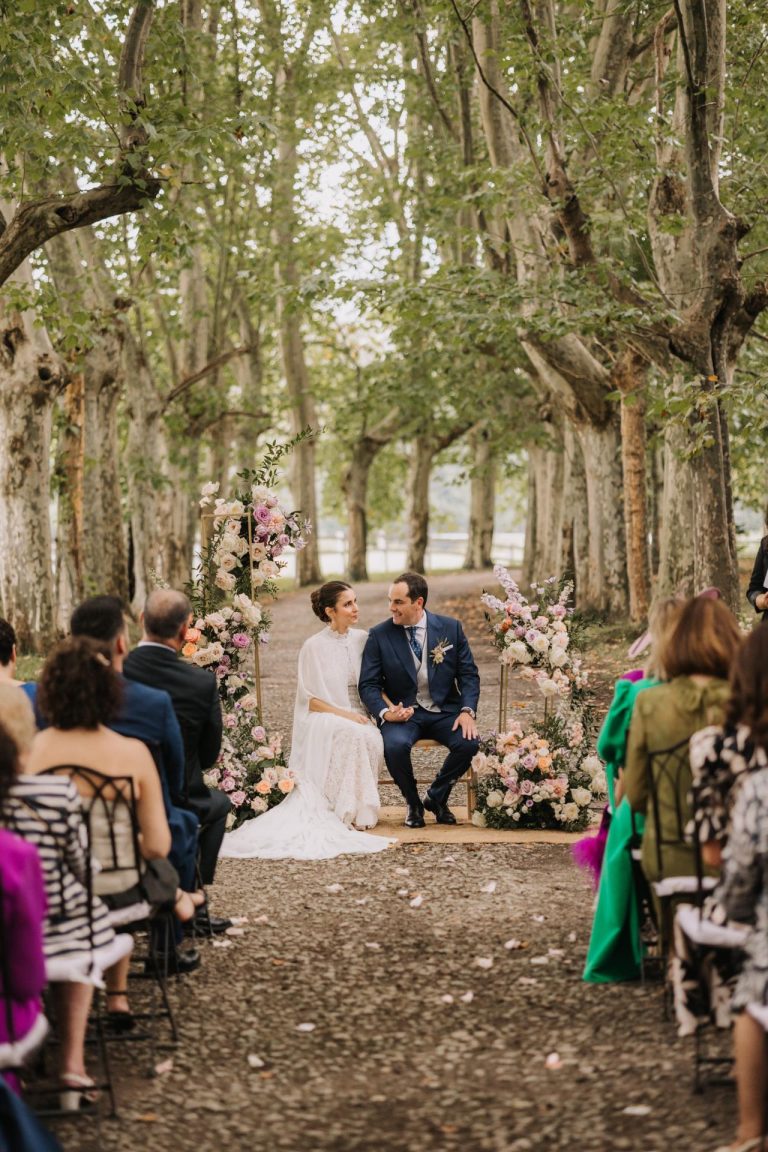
(388, 667)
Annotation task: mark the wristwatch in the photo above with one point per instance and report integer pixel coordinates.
(471, 711)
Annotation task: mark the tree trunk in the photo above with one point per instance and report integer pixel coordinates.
(419, 473)
(29, 379)
(355, 488)
(676, 518)
(629, 376)
(575, 513)
(290, 321)
(606, 589)
(544, 524)
(482, 499)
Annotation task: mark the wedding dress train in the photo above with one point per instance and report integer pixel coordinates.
(336, 762)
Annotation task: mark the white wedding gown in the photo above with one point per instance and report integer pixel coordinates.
(336, 763)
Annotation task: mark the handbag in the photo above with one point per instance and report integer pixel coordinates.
(20, 1129)
(158, 886)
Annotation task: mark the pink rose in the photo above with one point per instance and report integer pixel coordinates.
(227, 784)
(238, 798)
(527, 788)
(259, 734)
(241, 640)
(230, 721)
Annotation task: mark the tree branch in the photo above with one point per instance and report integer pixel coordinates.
(206, 370)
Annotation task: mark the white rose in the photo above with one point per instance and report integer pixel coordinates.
(225, 580)
(547, 687)
(215, 620)
(259, 804)
(519, 653)
(257, 577)
(230, 821)
(226, 561)
(570, 812)
(540, 643)
(558, 657)
(582, 796)
(494, 799)
(249, 702)
(591, 765)
(236, 508)
(560, 639)
(270, 569)
(599, 784)
(478, 819)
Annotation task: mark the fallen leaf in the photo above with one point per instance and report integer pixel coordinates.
(234, 931)
(363, 901)
(527, 980)
(449, 859)
(539, 960)
(553, 1061)
(334, 888)
(555, 952)
(539, 919)
(305, 1027)
(484, 961)
(448, 1129)
(261, 920)
(164, 1066)
(417, 901)
(489, 887)
(571, 937)
(222, 943)
(467, 998)
(148, 1117)
(403, 871)
(372, 944)
(513, 944)
(266, 1075)
(447, 999)
(402, 891)
(255, 1061)
(637, 1110)
(237, 920)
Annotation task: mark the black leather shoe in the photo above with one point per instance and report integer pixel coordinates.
(179, 962)
(414, 817)
(441, 812)
(204, 924)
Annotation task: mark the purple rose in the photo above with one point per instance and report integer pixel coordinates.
(238, 798)
(283, 540)
(262, 514)
(529, 803)
(526, 787)
(227, 784)
(241, 640)
(529, 762)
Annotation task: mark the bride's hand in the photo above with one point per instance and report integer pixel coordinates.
(358, 719)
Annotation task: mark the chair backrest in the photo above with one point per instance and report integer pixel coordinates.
(109, 810)
(6, 991)
(669, 786)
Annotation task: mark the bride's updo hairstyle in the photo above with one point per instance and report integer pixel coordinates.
(326, 597)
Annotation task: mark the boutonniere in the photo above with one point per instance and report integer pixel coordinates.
(439, 650)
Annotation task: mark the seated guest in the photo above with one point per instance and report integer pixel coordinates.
(195, 695)
(696, 654)
(147, 714)
(615, 946)
(8, 654)
(721, 755)
(23, 1026)
(79, 695)
(79, 943)
(743, 893)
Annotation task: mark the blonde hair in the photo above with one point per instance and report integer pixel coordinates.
(662, 616)
(17, 716)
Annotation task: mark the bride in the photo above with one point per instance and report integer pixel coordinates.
(336, 750)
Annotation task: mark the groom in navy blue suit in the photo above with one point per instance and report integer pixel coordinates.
(419, 679)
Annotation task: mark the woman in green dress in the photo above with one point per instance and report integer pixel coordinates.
(615, 948)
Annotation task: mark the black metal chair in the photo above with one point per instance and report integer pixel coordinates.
(109, 803)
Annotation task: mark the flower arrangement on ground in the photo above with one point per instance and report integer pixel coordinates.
(250, 535)
(536, 636)
(542, 779)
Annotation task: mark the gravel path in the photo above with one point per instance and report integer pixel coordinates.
(390, 1063)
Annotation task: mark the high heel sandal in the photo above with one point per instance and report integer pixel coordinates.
(120, 1020)
(754, 1144)
(80, 1092)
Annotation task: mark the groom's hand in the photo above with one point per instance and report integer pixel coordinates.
(397, 714)
(467, 724)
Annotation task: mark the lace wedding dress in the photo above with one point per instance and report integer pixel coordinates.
(336, 762)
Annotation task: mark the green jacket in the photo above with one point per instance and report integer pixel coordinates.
(663, 717)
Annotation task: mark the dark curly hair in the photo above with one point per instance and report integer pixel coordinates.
(9, 760)
(78, 687)
(326, 597)
(7, 641)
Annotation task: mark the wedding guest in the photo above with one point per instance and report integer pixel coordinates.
(696, 654)
(743, 894)
(8, 654)
(615, 945)
(757, 591)
(79, 943)
(23, 1026)
(195, 697)
(79, 695)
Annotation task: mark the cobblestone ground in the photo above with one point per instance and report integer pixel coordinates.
(345, 1018)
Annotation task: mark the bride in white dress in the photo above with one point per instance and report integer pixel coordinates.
(336, 751)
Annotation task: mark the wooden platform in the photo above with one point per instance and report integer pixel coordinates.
(391, 824)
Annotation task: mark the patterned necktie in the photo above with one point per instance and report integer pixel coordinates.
(415, 643)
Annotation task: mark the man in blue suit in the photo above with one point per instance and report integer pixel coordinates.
(419, 679)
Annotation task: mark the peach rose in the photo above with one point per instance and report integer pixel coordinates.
(263, 788)
(189, 650)
(286, 786)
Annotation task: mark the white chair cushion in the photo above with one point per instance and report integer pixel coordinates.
(129, 914)
(682, 885)
(703, 931)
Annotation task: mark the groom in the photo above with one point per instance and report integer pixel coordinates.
(418, 677)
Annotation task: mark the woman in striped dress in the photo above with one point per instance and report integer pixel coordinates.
(78, 945)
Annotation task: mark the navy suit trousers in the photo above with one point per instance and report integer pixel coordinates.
(399, 739)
